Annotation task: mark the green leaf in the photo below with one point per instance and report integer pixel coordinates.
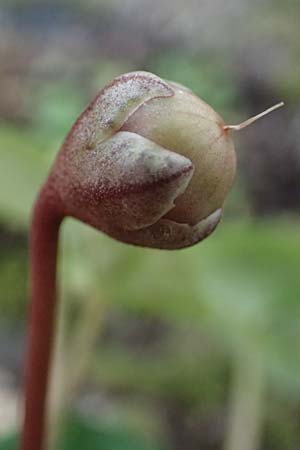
(79, 434)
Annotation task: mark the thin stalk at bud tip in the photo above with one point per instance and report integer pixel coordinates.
(253, 119)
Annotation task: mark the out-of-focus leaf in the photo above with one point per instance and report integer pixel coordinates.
(13, 266)
(200, 75)
(24, 165)
(242, 286)
(177, 376)
(77, 434)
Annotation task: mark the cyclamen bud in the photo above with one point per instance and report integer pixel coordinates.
(148, 163)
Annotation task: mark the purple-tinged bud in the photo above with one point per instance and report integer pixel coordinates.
(148, 163)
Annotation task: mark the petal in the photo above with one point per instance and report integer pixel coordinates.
(169, 235)
(127, 182)
(114, 104)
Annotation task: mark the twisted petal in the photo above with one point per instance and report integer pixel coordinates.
(121, 168)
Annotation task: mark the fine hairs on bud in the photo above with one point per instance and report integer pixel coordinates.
(253, 119)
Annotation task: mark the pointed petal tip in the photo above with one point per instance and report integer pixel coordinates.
(210, 222)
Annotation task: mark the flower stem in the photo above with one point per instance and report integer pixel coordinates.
(43, 259)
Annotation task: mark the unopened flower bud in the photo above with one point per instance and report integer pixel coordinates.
(148, 163)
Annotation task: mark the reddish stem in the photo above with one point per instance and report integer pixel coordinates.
(43, 257)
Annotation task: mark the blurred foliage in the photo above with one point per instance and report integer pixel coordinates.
(78, 434)
(13, 267)
(22, 171)
(199, 73)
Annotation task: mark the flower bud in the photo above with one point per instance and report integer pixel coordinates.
(147, 162)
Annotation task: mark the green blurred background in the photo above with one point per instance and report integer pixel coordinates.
(188, 350)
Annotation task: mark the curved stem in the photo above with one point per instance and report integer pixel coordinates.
(43, 256)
